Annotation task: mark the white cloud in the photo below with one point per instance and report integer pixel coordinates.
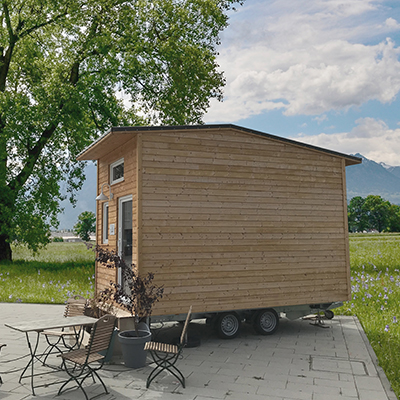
(372, 138)
(306, 58)
(321, 118)
(391, 23)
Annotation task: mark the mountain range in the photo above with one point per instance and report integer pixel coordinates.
(363, 179)
(371, 177)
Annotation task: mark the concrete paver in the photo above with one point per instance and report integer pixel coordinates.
(299, 362)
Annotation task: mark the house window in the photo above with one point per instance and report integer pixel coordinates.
(105, 223)
(117, 171)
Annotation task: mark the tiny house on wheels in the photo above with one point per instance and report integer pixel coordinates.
(240, 224)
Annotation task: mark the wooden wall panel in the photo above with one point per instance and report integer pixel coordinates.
(232, 220)
(127, 187)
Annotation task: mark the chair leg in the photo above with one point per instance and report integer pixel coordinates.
(73, 378)
(101, 381)
(178, 376)
(162, 364)
(80, 379)
(62, 341)
(50, 348)
(77, 341)
(156, 371)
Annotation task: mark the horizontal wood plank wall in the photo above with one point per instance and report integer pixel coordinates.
(346, 228)
(232, 221)
(127, 187)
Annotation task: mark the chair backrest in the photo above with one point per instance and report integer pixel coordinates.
(183, 335)
(75, 306)
(101, 334)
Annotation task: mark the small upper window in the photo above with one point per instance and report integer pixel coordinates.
(117, 171)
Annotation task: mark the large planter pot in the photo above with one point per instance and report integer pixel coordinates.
(132, 347)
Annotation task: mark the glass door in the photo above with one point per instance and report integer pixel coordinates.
(125, 231)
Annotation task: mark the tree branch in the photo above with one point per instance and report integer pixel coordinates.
(35, 27)
(5, 59)
(8, 20)
(34, 153)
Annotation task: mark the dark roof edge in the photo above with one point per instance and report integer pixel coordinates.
(220, 126)
(233, 126)
(94, 143)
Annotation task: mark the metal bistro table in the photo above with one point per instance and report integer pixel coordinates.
(39, 326)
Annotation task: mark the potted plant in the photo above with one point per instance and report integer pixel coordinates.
(137, 294)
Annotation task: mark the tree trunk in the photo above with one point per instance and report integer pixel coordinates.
(5, 248)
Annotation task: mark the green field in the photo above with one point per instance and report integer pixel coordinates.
(375, 279)
(52, 276)
(64, 269)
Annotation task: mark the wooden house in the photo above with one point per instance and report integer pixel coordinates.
(227, 218)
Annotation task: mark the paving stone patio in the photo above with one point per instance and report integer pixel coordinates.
(299, 362)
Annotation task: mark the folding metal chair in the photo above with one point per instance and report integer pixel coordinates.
(166, 355)
(86, 362)
(1, 346)
(69, 339)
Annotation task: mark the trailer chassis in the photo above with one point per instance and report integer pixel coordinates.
(264, 320)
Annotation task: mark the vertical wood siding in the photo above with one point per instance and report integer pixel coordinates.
(232, 221)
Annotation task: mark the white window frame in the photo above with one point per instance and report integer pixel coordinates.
(106, 223)
(112, 166)
(119, 243)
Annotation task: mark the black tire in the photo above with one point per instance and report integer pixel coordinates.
(228, 325)
(329, 314)
(266, 321)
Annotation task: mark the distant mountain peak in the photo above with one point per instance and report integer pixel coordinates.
(386, 166)
(363, 158)
(374, 178)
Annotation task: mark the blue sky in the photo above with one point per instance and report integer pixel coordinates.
(326, 72)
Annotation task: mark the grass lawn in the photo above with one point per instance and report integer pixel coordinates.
(375, 279)
(52, 276)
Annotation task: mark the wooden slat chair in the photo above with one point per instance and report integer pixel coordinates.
(166, 355)
(70, 338)
(87, 361)
(1, 346)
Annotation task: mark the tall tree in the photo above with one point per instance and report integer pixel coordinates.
(377, 211)
(393, 224)
(86, 225)
(64, 66)
(357, 216)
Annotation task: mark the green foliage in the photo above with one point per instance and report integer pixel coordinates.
(377, 211)
(86, 225)
(375, 276)
(58, 239)
(357, 219)
(373, 213)
(63, 68)
(393, 218)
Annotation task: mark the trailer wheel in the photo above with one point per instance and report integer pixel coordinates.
(329, 314)
(266, 321)
(228, 325)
